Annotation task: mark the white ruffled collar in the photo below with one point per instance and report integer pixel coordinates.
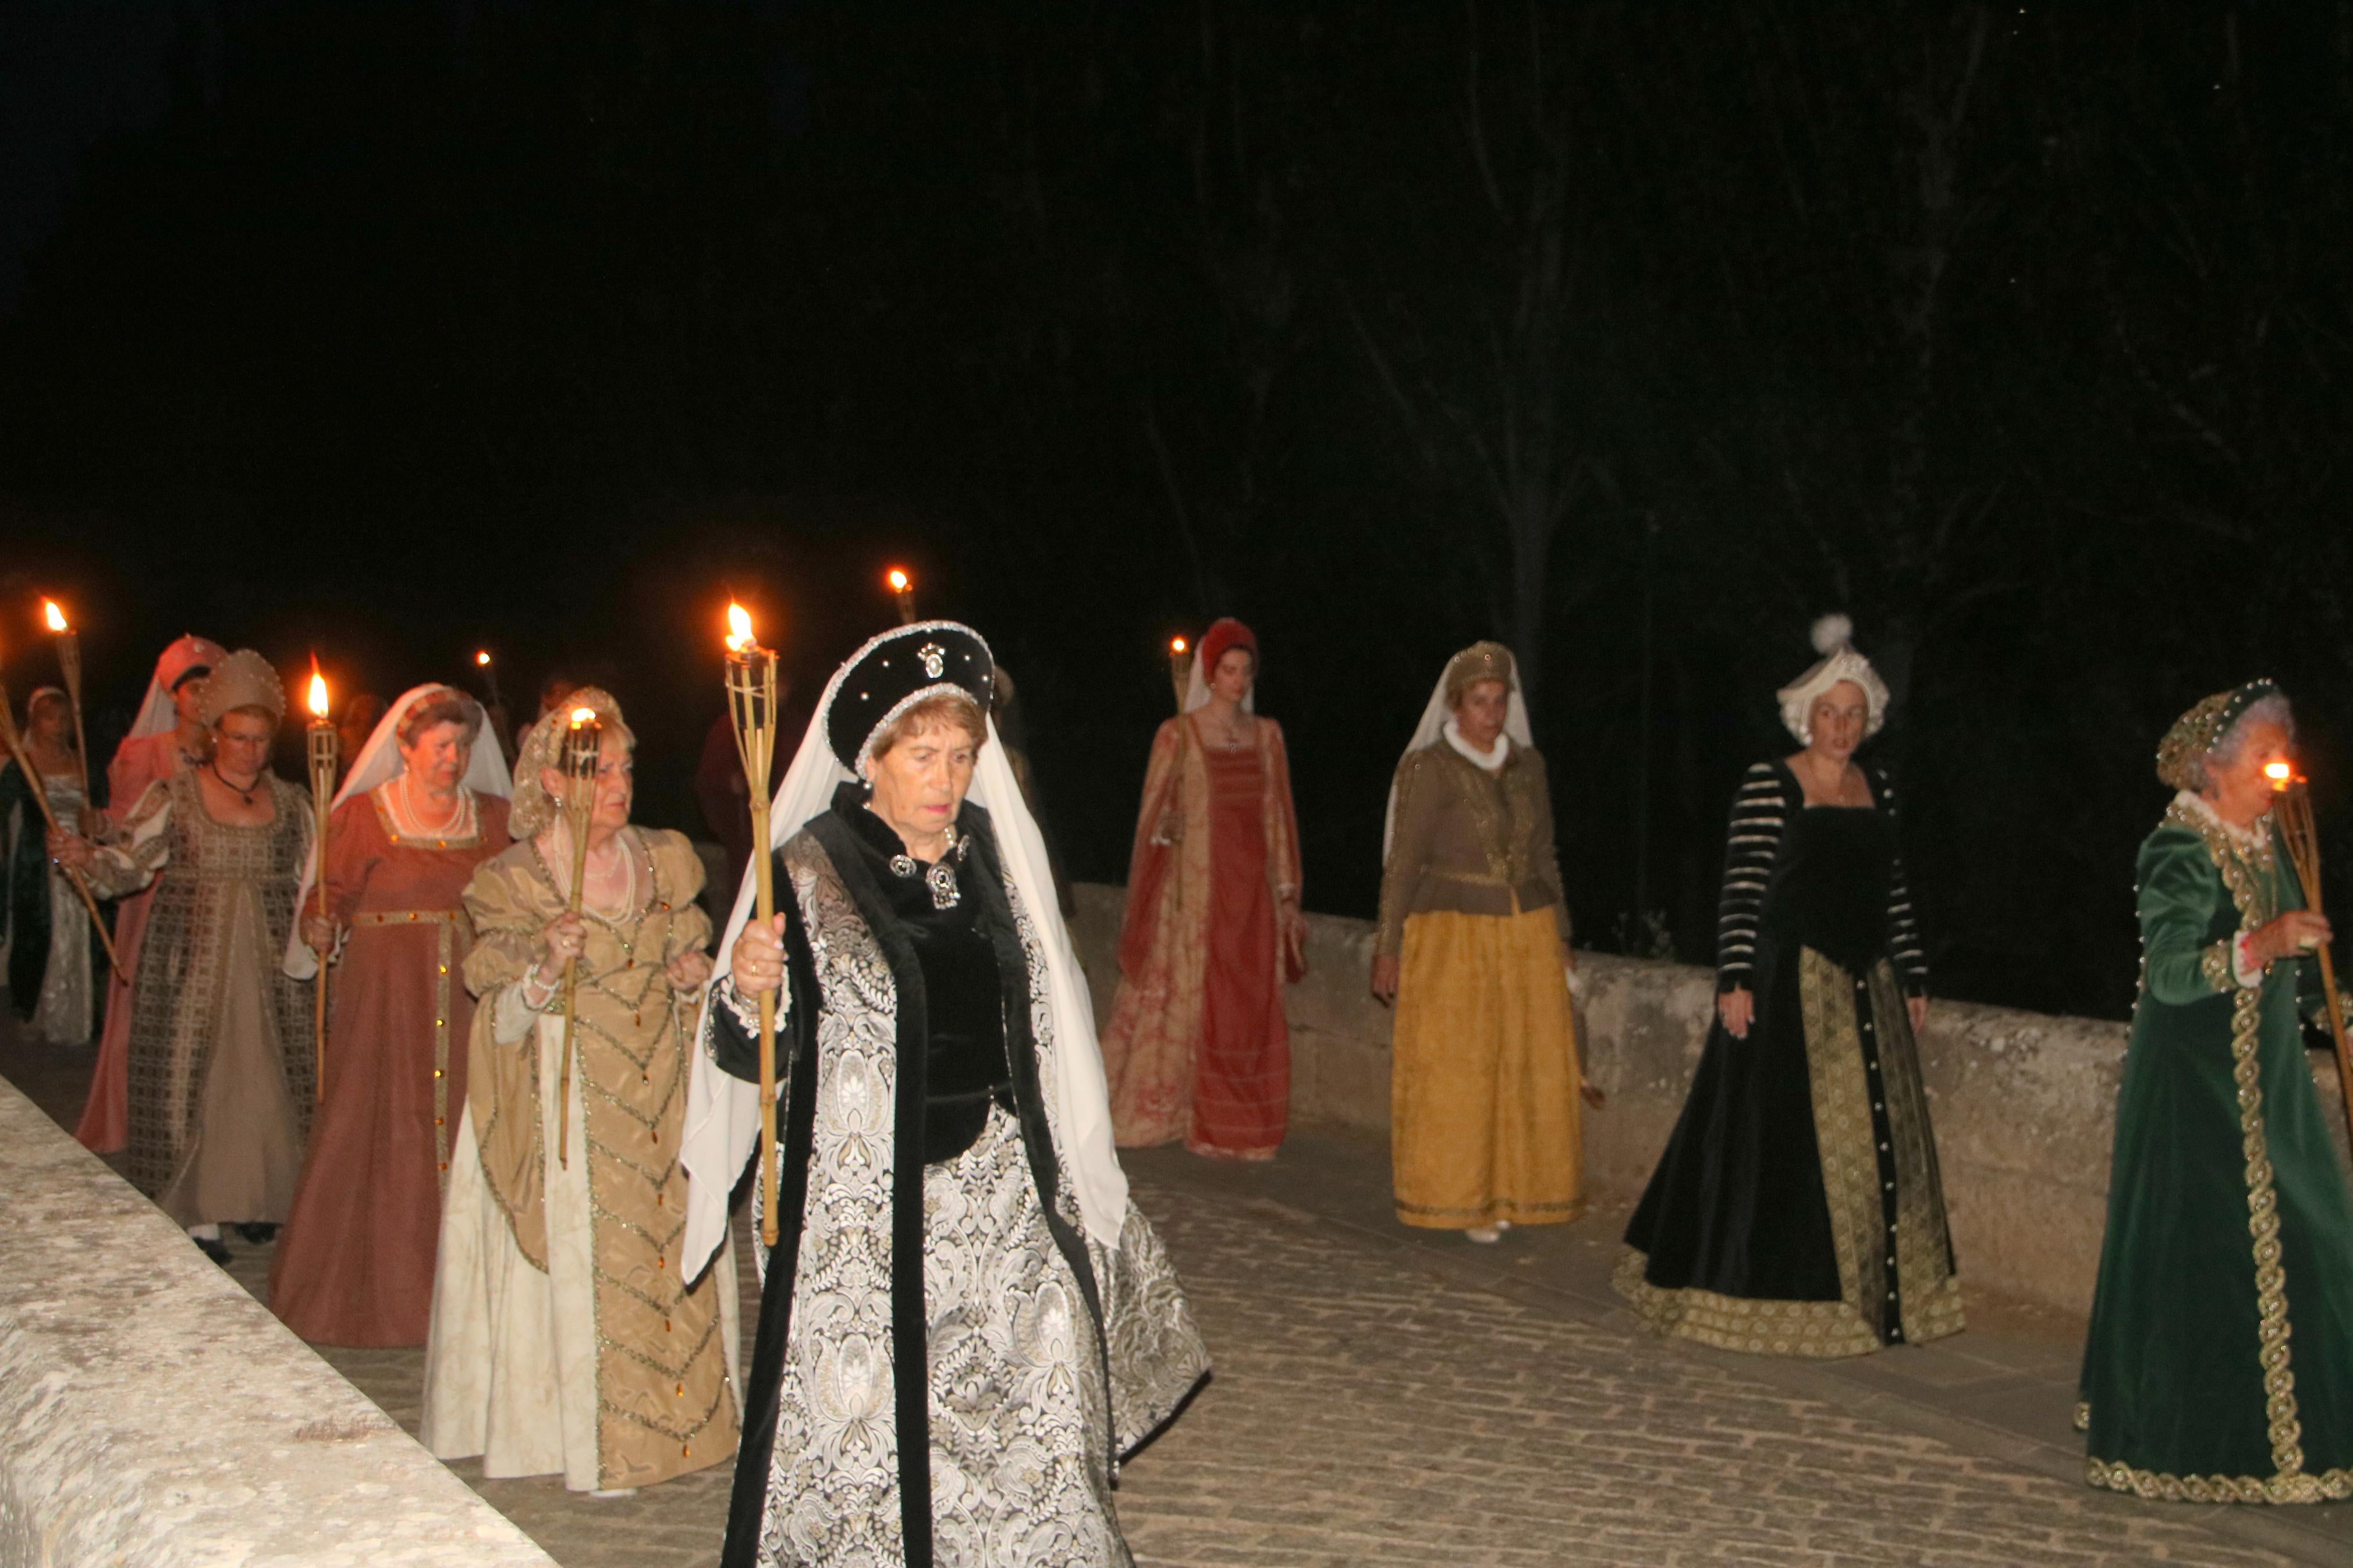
(2254, 839)
(1492, 761)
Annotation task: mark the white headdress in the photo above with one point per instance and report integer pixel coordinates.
(1480, 661)
(1834, 639)
(380, 761)
(723, 1112)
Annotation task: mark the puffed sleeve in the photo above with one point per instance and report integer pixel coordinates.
(1417, 804)
(1752, 842)
(2180, 893)
(141, 850)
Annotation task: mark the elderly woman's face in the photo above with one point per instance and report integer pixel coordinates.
(615, 787)
(1479, 712)
(437, 757)
(1839, 719)
(920, 782)
(1237, 667)
(2238, 789)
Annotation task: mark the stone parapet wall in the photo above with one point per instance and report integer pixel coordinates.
(154, 1415)
(2024, 1102)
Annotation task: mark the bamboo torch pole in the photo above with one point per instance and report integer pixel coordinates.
(752, 706)
(69, 666)
(41, 798)
(583, 743)
(2294, 815)
(325, 751)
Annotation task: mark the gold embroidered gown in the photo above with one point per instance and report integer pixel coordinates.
(562, 1337)
(220, 1063)
(2220, 1362)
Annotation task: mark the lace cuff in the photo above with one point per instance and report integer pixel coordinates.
(2227, 966)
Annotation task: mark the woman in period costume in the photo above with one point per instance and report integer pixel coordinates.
(170, 736)
(1198, 1046)
(967, 1324)
(221, 1071)
(1473, 948)
(567, 1333)
(423, 804)
(2220, 1362)
(1797, 1210)
(48, 940)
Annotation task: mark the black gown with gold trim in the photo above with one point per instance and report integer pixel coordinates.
(1797, 1209)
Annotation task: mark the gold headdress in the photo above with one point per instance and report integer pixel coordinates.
(1480, 661)
(243, 680)
(533, 808)
(2182, 755)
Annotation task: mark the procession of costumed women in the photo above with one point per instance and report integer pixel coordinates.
(539, 1101)
(1198, 1048)
(220, 1064)
(967, 1323)
(44, 932)
(424, 802)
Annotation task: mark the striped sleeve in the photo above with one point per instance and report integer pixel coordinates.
(1904, 948)
(1751, 843)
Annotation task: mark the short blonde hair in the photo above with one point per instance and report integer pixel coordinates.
(941, 710)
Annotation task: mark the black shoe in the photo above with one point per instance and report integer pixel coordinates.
(256, 1233)
(212, 1250)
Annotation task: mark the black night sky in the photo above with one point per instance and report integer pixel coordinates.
(1637, 335)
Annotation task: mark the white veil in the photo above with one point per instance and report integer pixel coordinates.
(1433, 724)
(722, 1112)
(379, 762)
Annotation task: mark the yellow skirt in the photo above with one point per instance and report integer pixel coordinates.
(1484, 1111)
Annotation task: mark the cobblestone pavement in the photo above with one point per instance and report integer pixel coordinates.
(1387, 1397)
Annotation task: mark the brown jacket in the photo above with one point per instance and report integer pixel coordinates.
(1470, 841)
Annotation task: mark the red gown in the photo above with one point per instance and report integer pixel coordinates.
(355, 1266)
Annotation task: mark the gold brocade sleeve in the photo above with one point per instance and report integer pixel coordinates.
(678, 874)
(1417, 804)
(140, 848)
(1282, 816)
(510, 903)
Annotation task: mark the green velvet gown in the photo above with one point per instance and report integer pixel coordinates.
(2220, 1364)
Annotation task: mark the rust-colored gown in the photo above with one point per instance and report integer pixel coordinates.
(355, 1266)
(1198, 1047)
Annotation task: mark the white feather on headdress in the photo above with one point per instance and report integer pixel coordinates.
(1832, 636)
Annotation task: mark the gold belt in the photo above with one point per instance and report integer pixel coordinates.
(446, 923)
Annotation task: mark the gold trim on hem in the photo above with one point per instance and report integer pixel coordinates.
(1820, 1329)
(2296, 1487)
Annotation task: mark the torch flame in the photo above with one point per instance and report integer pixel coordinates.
(1177, 645)
(483, 659)
(318, 694)
(582, 716)
(57, 618)
(2280, 774)
(899, 580)
(739, 629)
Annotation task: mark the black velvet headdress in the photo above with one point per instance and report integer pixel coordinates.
(894, 672)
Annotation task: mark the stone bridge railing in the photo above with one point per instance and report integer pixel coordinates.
(2024, 1103)
(154, 1415)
